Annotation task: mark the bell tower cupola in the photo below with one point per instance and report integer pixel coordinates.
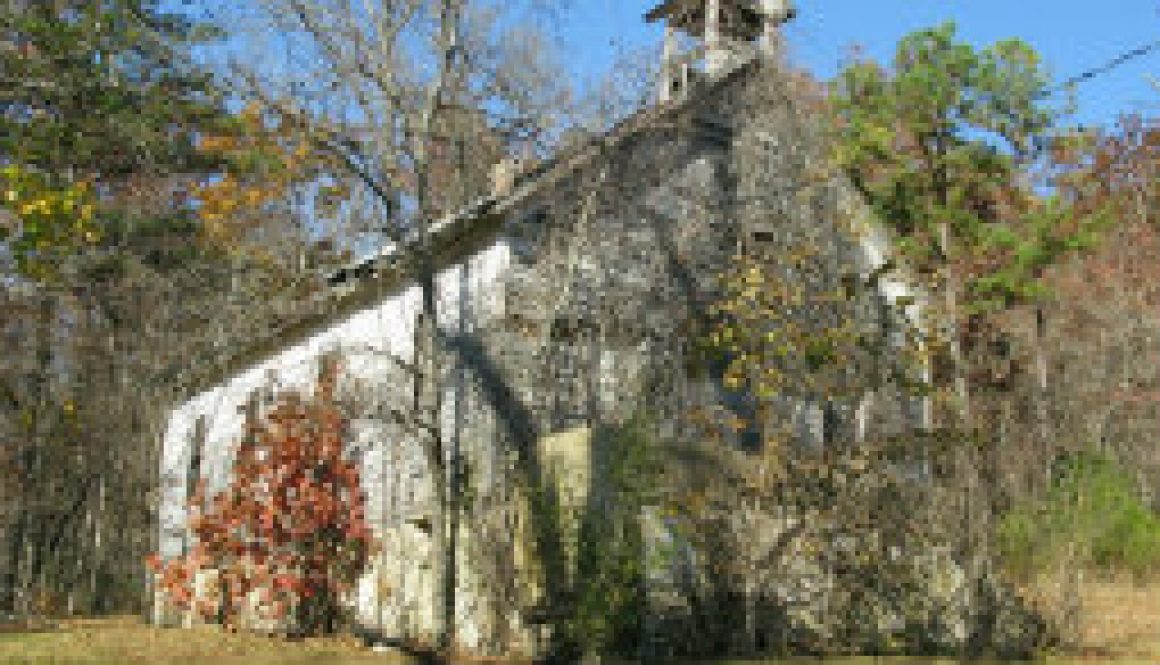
(727, 33)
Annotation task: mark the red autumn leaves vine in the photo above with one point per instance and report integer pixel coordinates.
(289, 535)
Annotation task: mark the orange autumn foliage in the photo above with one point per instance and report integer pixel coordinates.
(291, 526)
(265, 162)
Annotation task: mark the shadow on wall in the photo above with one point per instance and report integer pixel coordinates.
(521, 433)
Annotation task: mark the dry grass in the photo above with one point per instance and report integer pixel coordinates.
(1116, 619)
(128, 640)
(1121, 623)
(1120, 617)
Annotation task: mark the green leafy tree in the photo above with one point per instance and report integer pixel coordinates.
(935, 144)
(99, 86)
(943, 146)
(99, 112)
(99, 94)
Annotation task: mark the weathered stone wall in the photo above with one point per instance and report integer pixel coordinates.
(615, 265)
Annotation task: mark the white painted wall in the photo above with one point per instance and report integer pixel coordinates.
(469, 294)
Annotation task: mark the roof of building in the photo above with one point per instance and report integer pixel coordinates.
(369, 279)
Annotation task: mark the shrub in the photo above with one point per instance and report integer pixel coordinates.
(1093, 510)
(611, 565)
(290, 528)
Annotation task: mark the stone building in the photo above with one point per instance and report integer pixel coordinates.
(569, 299)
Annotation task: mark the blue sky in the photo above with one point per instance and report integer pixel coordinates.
(1071, 35)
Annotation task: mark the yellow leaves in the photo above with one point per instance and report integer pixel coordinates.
(737, 424)
(263, 162)
(46, 219)
(785, 330)
(254, 196)
(216, 144)
(695, 502)
(251, 114)
(223, 205)
(880, 137)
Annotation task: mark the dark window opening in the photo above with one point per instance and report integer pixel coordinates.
(253, 411)
(942, 367)
(750, 440)
(526, 236)
(830, 424)
(193, 473)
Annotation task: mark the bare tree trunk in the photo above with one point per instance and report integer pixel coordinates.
(954, 330)
(30, 530)
(445, 482)
(1042, 426)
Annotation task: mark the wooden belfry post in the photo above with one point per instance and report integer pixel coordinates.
(776, 13)
(716, 53)
(731, 32)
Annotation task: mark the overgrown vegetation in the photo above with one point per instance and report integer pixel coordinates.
(288, 537)
(1092, 516)
(986, 193)
(612, 558)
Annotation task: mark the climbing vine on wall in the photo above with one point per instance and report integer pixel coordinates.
(289, 535)
(787, 324)
(611, 558)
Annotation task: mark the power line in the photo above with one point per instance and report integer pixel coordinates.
(1090, 74)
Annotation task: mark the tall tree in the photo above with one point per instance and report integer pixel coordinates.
(949, 146)
(100, 109)
(939, 145)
